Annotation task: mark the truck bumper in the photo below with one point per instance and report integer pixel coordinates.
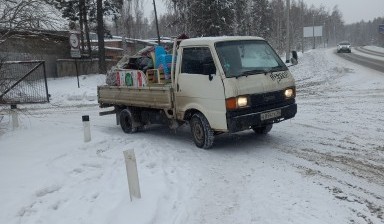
(244, 122)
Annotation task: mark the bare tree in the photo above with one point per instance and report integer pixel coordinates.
(25, 15)
(132, 18)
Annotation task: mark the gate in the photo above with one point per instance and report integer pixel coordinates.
(23, 82)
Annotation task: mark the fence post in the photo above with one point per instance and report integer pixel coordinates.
(132, 175)
(45, 81)
(15, 117)
(77, 74)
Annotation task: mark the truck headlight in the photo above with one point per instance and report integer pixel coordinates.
(242, 101)
(237, 102)
(289, 93)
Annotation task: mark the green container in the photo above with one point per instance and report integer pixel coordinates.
(128, 79)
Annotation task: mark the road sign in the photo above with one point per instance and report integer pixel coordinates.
(381, 28)
(313, 31)
(74, 42)
(75, 53)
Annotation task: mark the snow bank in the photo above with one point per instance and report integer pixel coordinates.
(65, 91)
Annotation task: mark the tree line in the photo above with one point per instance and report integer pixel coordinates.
(196, 18)
(365, 33)
(265, 18)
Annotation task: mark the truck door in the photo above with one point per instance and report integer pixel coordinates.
(199, 86)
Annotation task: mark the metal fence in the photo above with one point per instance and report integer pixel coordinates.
(23, 82)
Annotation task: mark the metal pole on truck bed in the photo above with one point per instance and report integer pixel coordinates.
(157, 23)
(173, 63)
(173, 75)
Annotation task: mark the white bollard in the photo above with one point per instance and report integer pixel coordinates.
(15, 117)
(132, 175)
(87, 128)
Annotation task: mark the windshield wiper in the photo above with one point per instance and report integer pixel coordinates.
(277, 69)
(262, 71)
(252, 72)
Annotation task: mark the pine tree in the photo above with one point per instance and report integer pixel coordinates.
(243, 18)
(212, 18)
(262, 16)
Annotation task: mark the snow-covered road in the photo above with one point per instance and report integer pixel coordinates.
(324, 166)
(366, 56)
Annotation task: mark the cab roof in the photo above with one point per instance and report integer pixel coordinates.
(213, 40)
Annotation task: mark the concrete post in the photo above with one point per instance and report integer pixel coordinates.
(87, 128)
(132, 175)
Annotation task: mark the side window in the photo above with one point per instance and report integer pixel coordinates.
(196, 60)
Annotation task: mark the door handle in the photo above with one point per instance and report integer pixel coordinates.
(177, 87)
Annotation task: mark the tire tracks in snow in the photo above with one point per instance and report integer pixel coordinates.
(340, 146)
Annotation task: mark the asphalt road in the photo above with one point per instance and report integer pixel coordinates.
(375, 64)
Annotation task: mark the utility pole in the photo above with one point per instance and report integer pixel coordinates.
(157, 23)
(288, 47)
(100, 37)
(313, 27)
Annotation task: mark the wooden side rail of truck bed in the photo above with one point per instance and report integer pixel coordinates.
(159, 97)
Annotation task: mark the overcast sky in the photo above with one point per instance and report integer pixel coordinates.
(352, 10)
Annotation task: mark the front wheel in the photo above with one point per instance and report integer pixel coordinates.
(263, 129)
(201, 131)
(126, 121)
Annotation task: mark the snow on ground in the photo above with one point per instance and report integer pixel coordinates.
(323, 166)
(375, 48)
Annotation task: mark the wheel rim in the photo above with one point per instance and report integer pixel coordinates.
(198, 132)
(127, 123)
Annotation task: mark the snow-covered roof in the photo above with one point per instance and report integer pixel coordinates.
(213, 40)
(114, 48)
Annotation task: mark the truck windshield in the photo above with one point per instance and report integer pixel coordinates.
(248, 57)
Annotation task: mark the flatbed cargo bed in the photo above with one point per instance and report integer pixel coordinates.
(154, 96)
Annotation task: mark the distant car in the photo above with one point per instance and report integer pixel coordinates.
(344, 46)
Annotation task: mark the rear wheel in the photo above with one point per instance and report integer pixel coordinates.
(126, 121)
(263, 129)
(201, 131)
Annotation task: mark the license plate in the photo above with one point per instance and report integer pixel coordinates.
(270, 115)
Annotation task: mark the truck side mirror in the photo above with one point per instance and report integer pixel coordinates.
(209, 69)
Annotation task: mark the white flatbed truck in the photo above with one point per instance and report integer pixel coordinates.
(218, 85)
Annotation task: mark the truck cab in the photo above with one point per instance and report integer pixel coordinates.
(236, 83)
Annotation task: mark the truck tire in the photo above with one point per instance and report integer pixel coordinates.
(201, 131)
(263, 129)
(126, 121)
